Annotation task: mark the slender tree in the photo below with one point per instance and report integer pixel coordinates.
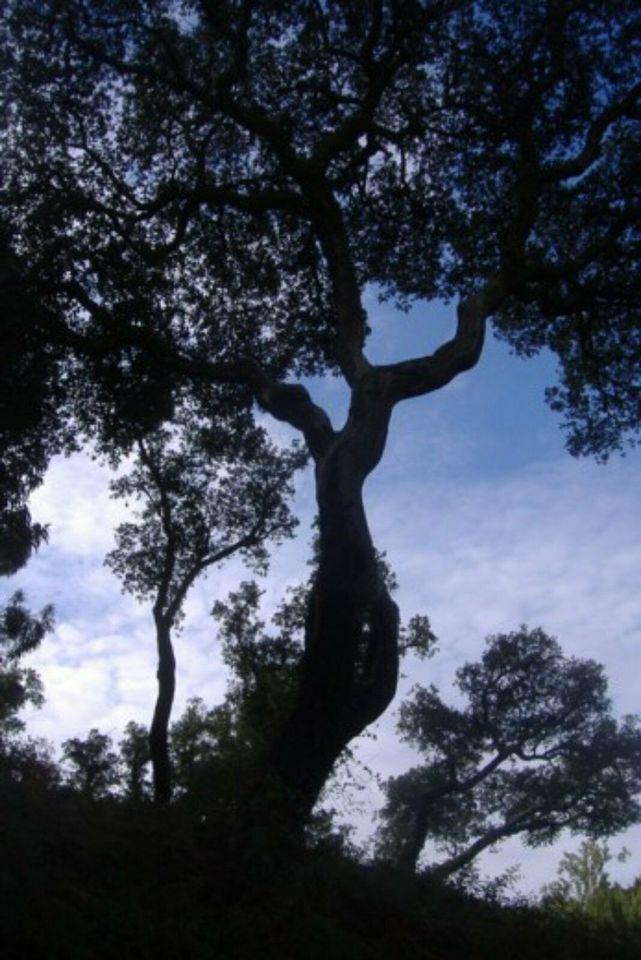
(197, 510)
(535, 751)
(200, 193)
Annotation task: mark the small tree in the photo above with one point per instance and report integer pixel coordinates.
(92, 766)
(134, 762)
(582, 876)
(583, 887)
(20, 633)
(535, 751)
(205, 496)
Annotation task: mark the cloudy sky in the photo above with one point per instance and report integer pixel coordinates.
(485, 518)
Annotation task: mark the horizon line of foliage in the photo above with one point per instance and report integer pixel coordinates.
(537, 750)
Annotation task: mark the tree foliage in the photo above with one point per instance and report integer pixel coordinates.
(21, 632)
(535, 751)
(134, 763)
(91, 765)
(583, 888)
(204, 493)
(200, 498)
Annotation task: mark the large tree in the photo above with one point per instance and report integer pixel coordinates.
(534, 751)
(199, 194)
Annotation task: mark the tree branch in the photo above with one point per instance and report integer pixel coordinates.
(262, 200)
(450, 866)
(412, 850)
(581, 162)
(287, 402)
(207, 561)
(413, 378)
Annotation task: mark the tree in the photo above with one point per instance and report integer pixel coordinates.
(199, 196)
(92, 767)
(584, 888)
(205, 497)
(582, 875)
(216, 751)
(21, 632)
(536, 751)
(134, 762)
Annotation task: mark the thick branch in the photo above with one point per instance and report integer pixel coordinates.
(591, 151)
(217, 556)
(413, 378)
(450, 866)
(412, 850)
(261, 199)
(350, 316)
(508, 828)
(288, 402)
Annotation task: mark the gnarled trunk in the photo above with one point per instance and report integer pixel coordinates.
(350, 664)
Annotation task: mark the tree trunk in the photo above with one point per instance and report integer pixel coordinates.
(158, 736)
(411, 849)
(350, 664)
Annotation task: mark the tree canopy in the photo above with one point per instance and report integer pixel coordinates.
(534, 751)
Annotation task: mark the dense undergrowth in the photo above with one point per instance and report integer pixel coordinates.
(87, 881)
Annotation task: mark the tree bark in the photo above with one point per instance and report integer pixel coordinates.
(158, 733)
(350, 663)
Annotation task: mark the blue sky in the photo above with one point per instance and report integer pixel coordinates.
(486, 519)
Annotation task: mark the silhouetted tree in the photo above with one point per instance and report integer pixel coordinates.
(21, 632)
(202, 497)
(22, 757)
(135, 760)
(199, 195)
(31, 392)
(91, 765)
(536, 751)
